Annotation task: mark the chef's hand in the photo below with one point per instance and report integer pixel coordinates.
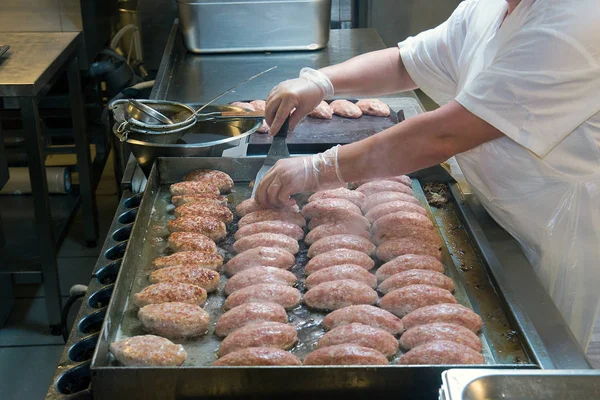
(302, 94)
(299, 174)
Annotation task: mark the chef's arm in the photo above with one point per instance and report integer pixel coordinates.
(419, 142)
(371, 74)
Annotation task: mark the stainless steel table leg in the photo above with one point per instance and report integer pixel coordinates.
(88, 199)
(43, 216)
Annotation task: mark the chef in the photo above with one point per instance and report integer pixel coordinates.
(518, 84)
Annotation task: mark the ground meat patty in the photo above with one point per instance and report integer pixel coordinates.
(353, 196)
(287, 297)
(339, 294)
(264, 127)
(409, 298)
(256, 275)
(218, 178)
(242, 104)
(279, 227)
(266, 239)
(250, 205)
(338, 272)
(364, 314)
(328, 230)
(374, 107)
(374, 187)
(323, 111)
(190, 241)
(203, 277)
(393, 207)
(398, 232)
(219, 212)
(339, 257)
(259, 105)
(328, 206)
(441, 352)
(408, 262)
(345, 109)
(174, 320)
(350, 242)
(257, 356)
(204, 198)
(385, 197)
(272, 215)
(148, 350)
(190, 259)
(209, 226)
(440, 331)
(340, 217)
(361, 335)
(249, 313)
(191, 187)
(168, 292)
(398, 247)
(345, 354)
(416, 277)
(450, 313)
(404, 179)
(262, 334)
(260, 256)
(391, 222)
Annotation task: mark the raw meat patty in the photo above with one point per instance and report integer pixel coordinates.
(335, 242)
(259, 105)
(287, 297)
(262, 334)
(260, 256)
(242, 104)
(174, 320)
(264, 127)
(374, 107)
(393, 207)
(209, 226)
(364, 314)
(441, 352)
(266, 239)
(371, 188)
(408, 262)
(258, 356)
(390, 222)
(440, 331)
(190, 241)
(329, 206)
(338, 272)
(450, 313)
(404, 179)
(399, 232)
(218, 178)
(328, 230)
(385, 197)
(353, 196)
(250, 205)
(204, 198)
(272, 215)
(361, 335)
(409, 298)
(191, 187)
(339, 294)
(148, 350)
(249, 313)
(398, 247)
(219, 212)
(339, 257)
(203, 277)
(323, 111)
(416, 277)
(256, 275)
(346, 109)
(190, 259)
(169, 292)
(280, 227)
(345, 354)
(340, 217)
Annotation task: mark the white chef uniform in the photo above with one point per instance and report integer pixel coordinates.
(536, 78)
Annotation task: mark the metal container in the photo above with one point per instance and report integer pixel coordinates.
(217, 26)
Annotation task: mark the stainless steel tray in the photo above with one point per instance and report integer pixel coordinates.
(503, 346)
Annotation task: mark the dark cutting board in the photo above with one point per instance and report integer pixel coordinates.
(316, 135)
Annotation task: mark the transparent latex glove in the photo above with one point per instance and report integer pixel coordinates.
(297, 175)
(300, 96)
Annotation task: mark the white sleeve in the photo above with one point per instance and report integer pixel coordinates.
(430, 58)
(541, 85)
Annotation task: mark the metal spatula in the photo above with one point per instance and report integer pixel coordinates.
(277, 151)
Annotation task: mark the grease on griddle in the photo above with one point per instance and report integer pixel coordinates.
(437, 194)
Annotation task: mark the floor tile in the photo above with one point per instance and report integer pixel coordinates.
(26, 372)
(28, 325)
